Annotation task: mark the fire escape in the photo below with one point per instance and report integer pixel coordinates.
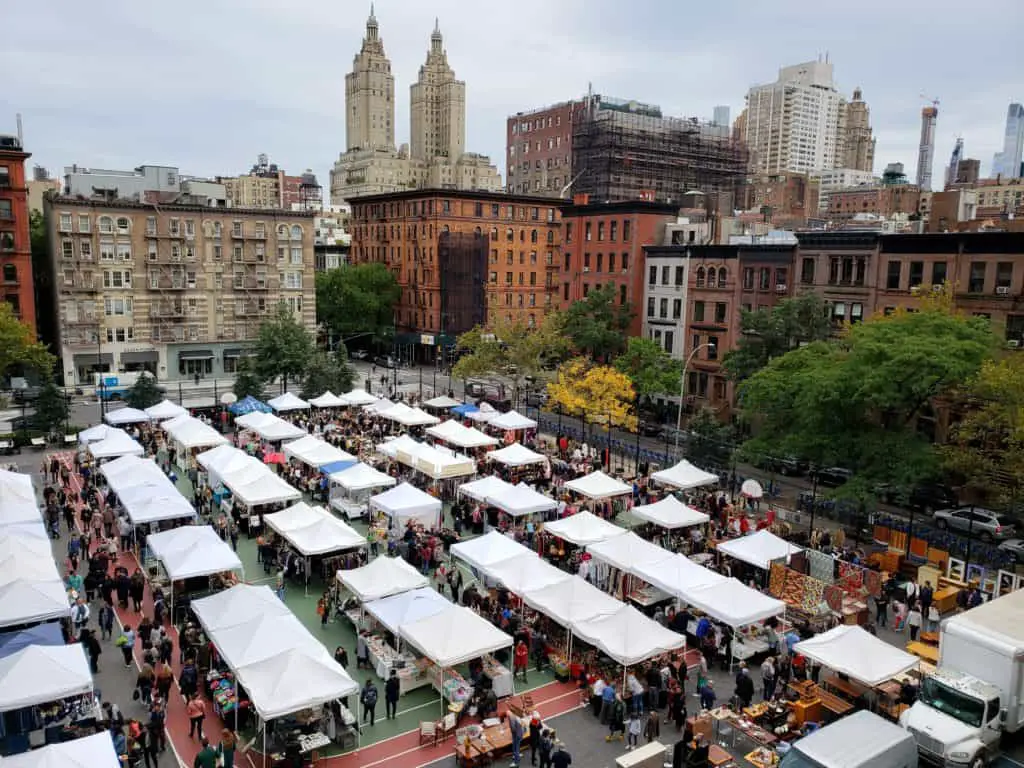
(166, 280)
(249, 280)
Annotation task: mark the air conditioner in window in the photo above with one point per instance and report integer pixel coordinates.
(1002, 290)
(936, 289)
(781, 288)
(915, 290)
(586, 270)
(1013, 343)
(625, 271)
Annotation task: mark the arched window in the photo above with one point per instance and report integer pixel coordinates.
(296, 232)
(10, 273)
(712, 274)
(282, 232)
(551, 236)
(533, 235)
(478, 232)
(106, 225)
(723, 275)
(445, 228)
(700, 277)
(494, 233)
(510, 235)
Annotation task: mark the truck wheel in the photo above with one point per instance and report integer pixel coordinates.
(978, 762)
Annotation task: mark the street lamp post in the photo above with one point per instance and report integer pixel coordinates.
(637, 469)
(682, 387)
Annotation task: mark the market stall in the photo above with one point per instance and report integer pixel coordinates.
(376, 407)
(356, 482)
(95, 433)
(315, 452)
(512, 421)
(393, 613)
(128, 471)
(684, 476)
(32, 589)
(40, 674)
(520, 500)
(249, 404)
(328, 400)
(95, 751)
(455, 433)
(18, 502)
(164, 410)
(401, 413)
(598, 485)
(358, 397)
(484, 552)
(571, 601)
(482, 414)
(732, 602)
(442, 402)
(382, 577)
(288, 402)
(314, 533)
(126, 415)
(516, 455)
(189, 434)
(856, 653)
(628, 636)
(270, 427)
(254, 484)
(196, 560)
(669, 513)
(116, 443)
(677, 575)
(758, 549)
(154, 503)
(406, 502)
(583, 528)
(526, 572)
(484, 488)
(628, 551)
(221, 461)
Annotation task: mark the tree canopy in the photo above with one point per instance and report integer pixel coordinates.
(651, 369)
(18, 347)
(768, 333)
(599, 393)
(247, 381)
(143, 393)
(328, 372)
(857, 401)
(596, 325)
(283, 347)
(358, 299)
(51, 408)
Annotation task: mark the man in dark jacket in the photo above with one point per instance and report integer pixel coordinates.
(368, 698)
(392, 690)
(744, 687)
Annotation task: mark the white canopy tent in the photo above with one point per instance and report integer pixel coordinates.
(328, 400)
(511, 421)
(485, 487)
(516, 455)
(382, 577)
(571, 601)
(437, 462)
(456, 434)
(94, 434)
(598, 485)
(525, 573)
(441, 401)
(628, 551)
(856, 653)
(358, 397)
(222, 460)
(254, 483)
(192, 550)
(484, 552)
(95, 751)
(396, 611)
(685, 476)
(401, 444)
(261, 637)
(315, 452)
(116, 443)
(583, 529)
(165, 409)
(270, 427)
(734, 603)
(288, 402)
(31, 590)
(628, 636)
(406, 416)
(294, 680)
(420, 418)
(126, 415)
(154, 502)
(129, 471)
(314, 530)
(407, 502)
(39, 674)
(485, 413)
(236, 606)
(376, 406)
(520, 500)
(18, 503)
(361, 477)
(759, 549)
(189, 432)
(669, 513)
(454, 636)
(678, 575)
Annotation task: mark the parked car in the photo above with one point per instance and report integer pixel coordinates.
(1015, 547)
(358, 354)
(651, 428)
(784, 465)
(983, 523)
(923, 498)
(833, 476)
(26, 395)
(384, 361)
(536, 398)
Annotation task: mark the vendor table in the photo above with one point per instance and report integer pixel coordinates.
(945, 599)
(412, 672)
(847, 688)
(924, 651)
(717, 756)
(499, 675)
(745, 647)
(648, 595)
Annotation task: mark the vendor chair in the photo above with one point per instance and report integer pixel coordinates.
(445, 727)
(428, 732)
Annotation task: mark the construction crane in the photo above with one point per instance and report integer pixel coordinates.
(933, 101)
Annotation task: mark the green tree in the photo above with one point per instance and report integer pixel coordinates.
(768, 333)
(511, 350)
(328, 372)
(18, 348)
(247, 381)
(649, 367)
(358, 299)
(51, 408)
(857, 401)
(709, 441)
(144, 393)
(597, 324)
(283, 347)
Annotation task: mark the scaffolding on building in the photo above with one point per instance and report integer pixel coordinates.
(462, 264)
(627, 153)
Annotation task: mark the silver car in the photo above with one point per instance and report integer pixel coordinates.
(978, 521)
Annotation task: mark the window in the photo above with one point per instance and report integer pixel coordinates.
(10, 273)
(613, 230)
(494, 277)
(85, 249)
(670, 338)
(6, 209)
(916, 273)
(765, 279)
(839, 311)
(976, 281)
(84, 223)
(833, 270)
(296, 232)
(67, 248)
(586, 290)
(807, 271)
(600, 262)
(600, 231)
(712, 277)
(859, 269)
(622, 295)
(625, 230)
(701, 274)
(297, 256)
(939, 273)
(652, 276)
(151, 226)
(677, 308)
(713, 349)
(510, 236)
(510, 257)
(680, 272)
(5, 177)
(116, 278)
(123, 225)
(893, 275)
(586, 231)
(293, 280)
(720, 310)
(781, 278)
(723, 276)
(1004, 275)
(174, 227)
(586, 261)
(748, 278)
(568, 232)
(107, 251)
(611, 262)
(565, 291)
(663, 309)
(508, 278)
(856, 312)
(625, 262)
(65, 221)
(533, 235)
(698, 311)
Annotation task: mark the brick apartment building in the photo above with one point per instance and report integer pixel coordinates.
(462, 258)
(538, 149)
(15, 245)
(883, 201)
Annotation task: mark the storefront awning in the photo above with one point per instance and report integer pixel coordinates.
(195, 354)
(237, 352)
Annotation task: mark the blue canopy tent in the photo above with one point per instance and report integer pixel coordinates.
(337, 466)
(41, 634)
(249, 405)
(465, 409)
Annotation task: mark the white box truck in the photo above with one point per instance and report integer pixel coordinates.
(975, 694)
(861, 740)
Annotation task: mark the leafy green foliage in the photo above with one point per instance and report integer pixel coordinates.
(357, 299)
(597, 324)
(651, 369)
(18, 347)
(283, 347)
(51, 408)
(768, 333)
(856, 401)
(144, 393)
(328, 372)
(709, 440)
(247, 381)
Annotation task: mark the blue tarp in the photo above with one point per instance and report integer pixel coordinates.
(465, 409)
(337, 466)
(249, 405)
(41, 634)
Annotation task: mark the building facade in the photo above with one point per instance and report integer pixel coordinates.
(15, 243)
(538, 149)
(178, 290)
(331, 239)
(145, 184)
(267, 186)
(461, 258)
(859, 143)
(1007, 163)
(926, 149)
(786, 199)
(604, 245)
(883, 201)
(371, 163)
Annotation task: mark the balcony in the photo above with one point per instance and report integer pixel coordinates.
(249, 309)
(164, 283)
(252, 284)
(80, 340)
(166, 311)
(82, 321)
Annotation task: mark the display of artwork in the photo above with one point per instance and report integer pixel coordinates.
(957, 569)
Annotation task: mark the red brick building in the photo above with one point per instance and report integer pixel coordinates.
(604, 245)
(538, 149)
(15, 245)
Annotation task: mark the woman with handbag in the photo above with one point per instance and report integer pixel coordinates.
(226, 749)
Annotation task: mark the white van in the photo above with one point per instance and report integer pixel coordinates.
(861, 739)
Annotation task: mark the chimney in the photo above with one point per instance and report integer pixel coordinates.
(581, 199)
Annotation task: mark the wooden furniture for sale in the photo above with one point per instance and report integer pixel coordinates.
(809, 711)
(717, 756)
(944, 598)
(924, 651)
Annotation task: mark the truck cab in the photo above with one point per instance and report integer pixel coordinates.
(956, 720)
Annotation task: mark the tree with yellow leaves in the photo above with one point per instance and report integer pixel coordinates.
(598, 394)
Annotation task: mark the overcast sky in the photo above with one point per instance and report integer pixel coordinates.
(208, 84)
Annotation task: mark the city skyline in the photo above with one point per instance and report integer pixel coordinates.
(292, 106)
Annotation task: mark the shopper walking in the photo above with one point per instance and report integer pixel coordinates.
(368, 698)
(196, 711)
(392, 690)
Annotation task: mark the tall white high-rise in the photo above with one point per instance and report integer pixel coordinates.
(798, 122)
(926, 150)
(1007, 163)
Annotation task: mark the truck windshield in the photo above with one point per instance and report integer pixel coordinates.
(796, 759)
(953, 703)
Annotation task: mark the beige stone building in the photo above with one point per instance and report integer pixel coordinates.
(175, 289)
(371, 163)
(859, 143)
